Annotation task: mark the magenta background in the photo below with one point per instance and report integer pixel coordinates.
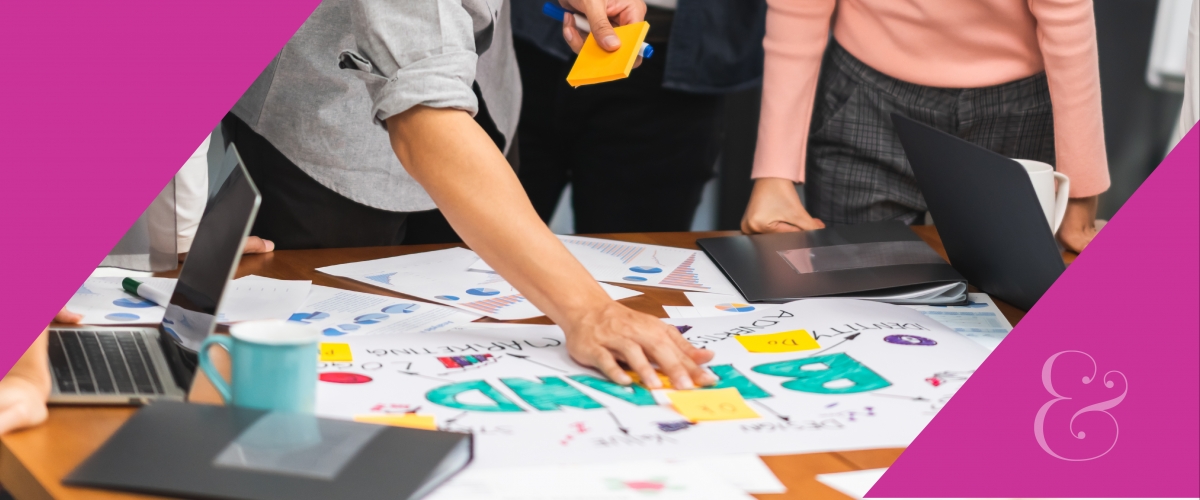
(1131, 302)
(102, 103)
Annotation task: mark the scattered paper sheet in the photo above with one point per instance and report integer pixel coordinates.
(446, 277)
(980, 320)
(881, 374)
(854, 484)
(648, 265)
(338, 312)
(745, 471)
(102, 301)
(629, 480)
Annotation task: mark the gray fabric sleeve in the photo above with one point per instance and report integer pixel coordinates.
(413, 53)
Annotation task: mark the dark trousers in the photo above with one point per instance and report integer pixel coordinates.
(637, 155)
(856, 169)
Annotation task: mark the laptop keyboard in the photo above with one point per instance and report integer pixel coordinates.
(102, 362)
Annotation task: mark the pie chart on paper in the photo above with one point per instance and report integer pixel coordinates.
(483, 292)
(735, 307)
(401, 308)
(133, 303)
(646, 269)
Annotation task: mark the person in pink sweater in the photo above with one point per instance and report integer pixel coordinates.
(1019, 77)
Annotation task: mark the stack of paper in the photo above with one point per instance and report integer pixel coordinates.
(980, 320)
(446, 277)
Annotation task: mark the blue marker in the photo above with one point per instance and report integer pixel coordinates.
(558, 14)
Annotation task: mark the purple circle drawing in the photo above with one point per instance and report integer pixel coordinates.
(909, 340)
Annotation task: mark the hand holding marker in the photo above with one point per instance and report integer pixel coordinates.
(557, 13)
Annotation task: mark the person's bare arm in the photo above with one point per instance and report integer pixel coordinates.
(1078, 227)
(473, 185)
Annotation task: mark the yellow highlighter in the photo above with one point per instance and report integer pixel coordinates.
(596, 65)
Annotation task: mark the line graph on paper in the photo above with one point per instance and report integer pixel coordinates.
(623, 252)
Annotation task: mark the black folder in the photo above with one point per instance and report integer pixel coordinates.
(202, 451)
(882, 261)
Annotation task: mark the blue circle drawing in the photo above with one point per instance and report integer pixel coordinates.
(348, 328)
(332, 332)
(133, 303)
(909, 340)
(634, 278)
(645, 269)
(401, 308)
(370, 319)
(446, 297)
(122, 317)
(484, 292)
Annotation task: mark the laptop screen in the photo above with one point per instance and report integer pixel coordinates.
(191, 315)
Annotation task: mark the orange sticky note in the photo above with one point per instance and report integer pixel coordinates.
(596, 65)
(412, 420)
(637, 379)
(711, 404)
(790, 341)
(331, 353)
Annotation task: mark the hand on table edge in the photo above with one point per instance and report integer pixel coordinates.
(478, 192)
(26, 387)
(1078, 226)
(775, 207)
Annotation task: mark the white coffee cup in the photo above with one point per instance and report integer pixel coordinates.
(1053, 201)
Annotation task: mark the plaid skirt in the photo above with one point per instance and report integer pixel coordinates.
(857, 171)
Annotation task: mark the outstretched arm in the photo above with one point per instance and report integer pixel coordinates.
(472, 183)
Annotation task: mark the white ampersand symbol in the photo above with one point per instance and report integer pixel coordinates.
(1102, 407)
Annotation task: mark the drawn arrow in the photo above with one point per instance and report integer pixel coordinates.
(415, 374)
(772, 411)
(526, 358)
(451, 420)
(619, 426)
(897, 396)
(843, 341)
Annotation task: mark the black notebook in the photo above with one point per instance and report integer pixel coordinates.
(202, 451)
(882, 261)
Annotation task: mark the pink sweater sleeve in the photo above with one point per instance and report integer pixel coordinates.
(797, 32)
(1066, 32)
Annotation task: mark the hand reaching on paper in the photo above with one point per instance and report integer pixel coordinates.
(601, 15)
(615, 333)
(775, 208)
(1079, 223)
(23, 392)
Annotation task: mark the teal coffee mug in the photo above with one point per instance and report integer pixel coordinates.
(274, 365)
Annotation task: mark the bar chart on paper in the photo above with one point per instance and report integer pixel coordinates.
(648, 265)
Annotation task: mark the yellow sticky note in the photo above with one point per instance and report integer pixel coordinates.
(596, 65)
(412, 420)
(335, 352)
(711, 404)
(791, 341)
(637, 379)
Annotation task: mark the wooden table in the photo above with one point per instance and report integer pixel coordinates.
(34, 461)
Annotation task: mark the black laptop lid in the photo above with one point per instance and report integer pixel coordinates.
(986, 212)
(191, 315)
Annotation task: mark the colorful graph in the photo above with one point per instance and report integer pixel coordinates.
(401, 308)
(735, 307)
(122, 317)
(621, 251)
(684, 275)
(646, 269)
(381, 278)
(465, 361)
(483, 292)
(307, 318)
(133, 303)
(495, 304)
(450, 298)
(370, 318)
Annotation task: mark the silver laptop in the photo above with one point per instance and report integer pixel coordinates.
(133, 365)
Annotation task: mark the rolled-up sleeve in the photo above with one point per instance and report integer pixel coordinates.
(413, 53)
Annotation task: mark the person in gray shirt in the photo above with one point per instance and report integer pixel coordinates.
(377, 108)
